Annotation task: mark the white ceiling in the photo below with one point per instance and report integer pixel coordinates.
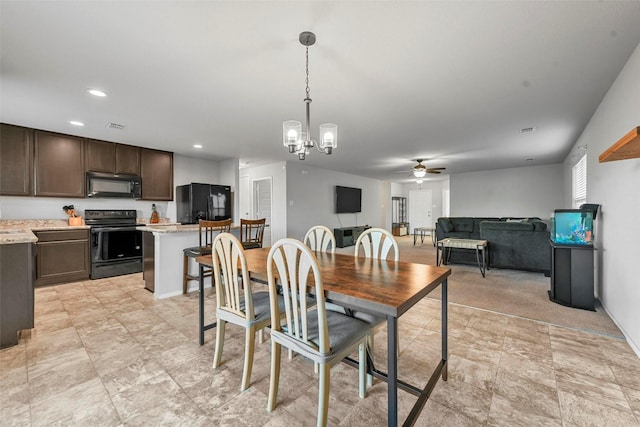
(452, 82)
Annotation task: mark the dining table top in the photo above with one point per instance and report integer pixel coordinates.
(381, 287)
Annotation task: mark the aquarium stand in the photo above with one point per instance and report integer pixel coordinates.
(572, 276)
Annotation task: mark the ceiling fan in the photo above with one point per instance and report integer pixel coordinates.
(421, 170)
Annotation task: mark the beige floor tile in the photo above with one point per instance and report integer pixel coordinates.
(532, 370)
(526, 396)
(585, 412)
(84, 404)
(462, 398)
(477, 374)
(633, 397)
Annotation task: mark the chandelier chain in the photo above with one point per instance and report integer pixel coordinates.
(307, 67)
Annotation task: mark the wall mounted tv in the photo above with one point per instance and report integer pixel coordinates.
(348, 199)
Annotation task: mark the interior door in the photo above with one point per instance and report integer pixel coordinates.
(245, 197)
(420, 209)
(262, 202)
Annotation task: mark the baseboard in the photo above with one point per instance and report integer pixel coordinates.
(632, 344)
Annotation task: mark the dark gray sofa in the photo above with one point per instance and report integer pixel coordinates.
(520, 245)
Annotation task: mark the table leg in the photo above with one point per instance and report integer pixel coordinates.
(444, 315)
(415, 234)
(480, 265)
(201, 302)
(392, 371)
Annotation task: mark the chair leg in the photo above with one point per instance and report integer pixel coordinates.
(323, 395)
(185, 273)
(275, 376)
(219, 343)
(370, 346)
(362, 369)
(249, 344)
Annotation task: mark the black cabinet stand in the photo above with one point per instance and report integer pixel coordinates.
(347, 236)
(572, 276)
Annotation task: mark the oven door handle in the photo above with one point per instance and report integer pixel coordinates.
(103, 229)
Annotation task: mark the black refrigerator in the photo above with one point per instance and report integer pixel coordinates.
(202, 201)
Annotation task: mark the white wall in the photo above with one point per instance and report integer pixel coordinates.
(615, 186)
(311, 193)
(534, 191)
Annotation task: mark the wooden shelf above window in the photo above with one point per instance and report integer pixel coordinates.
(627, 147)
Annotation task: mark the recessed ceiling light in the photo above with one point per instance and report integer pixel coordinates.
(97, 92)
(76, 123)
(197, 146)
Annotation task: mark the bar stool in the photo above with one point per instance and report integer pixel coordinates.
(207, 231)
(252, 232)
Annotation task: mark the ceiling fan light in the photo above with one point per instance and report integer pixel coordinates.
(419, 172)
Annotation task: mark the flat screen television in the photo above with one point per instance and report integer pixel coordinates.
(348, 199)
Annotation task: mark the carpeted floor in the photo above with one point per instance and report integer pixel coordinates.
(512, 292)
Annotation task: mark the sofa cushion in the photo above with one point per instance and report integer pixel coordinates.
(462, 224)
(506, 225)
(538, 225)
(445, 225)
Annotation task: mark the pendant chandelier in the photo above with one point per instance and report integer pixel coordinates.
(293, 137)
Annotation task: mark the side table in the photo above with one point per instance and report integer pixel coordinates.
(422, 231)
(480, 246)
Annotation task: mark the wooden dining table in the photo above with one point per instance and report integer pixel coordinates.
(385, 289)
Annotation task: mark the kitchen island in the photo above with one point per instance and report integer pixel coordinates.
(165, 268)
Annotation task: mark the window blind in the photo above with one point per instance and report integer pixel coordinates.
(580, 182)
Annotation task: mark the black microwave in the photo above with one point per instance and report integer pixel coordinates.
(110, 185)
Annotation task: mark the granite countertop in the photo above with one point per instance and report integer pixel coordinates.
(169, 227)
(14, 231)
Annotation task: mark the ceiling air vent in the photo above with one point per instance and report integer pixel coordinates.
(115, 126)
(527, 130)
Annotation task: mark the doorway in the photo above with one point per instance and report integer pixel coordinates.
(420, 205)
(262, 196)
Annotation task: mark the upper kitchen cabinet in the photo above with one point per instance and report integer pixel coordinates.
(58, 165)
(16, 160)
(156, 171)
(100, 156)
(110, 157)
(127, 159)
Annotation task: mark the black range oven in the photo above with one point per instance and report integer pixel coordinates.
(116, 244)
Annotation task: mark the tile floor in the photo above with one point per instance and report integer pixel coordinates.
(105, 352)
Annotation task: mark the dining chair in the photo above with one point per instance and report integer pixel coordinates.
(323, 336)
(375, 243)
(207, 230)
(236, 302)
(252, 232)
(320, 238)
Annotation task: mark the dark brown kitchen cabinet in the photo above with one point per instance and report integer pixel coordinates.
(16, 291)
(127, 159)
(62, 256)
(58, 165)
(100, 156)
(156, 171)
(16, 160)
(111, 157)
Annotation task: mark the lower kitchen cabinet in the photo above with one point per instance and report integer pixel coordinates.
(62, 256)
(16, 291)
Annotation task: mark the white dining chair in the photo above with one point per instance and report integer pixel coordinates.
(320, 238)
(235, 301)
(325, 337)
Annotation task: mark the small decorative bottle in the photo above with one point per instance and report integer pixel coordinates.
(154, 215)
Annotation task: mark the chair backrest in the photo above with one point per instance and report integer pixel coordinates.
(320, 238)
(291, 262)
(208, 230)
(252, 231)
(376, 243)
(227, 255)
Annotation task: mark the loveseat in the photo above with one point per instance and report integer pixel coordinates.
(514, 243)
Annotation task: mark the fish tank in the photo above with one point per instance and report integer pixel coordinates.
(572, 227)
